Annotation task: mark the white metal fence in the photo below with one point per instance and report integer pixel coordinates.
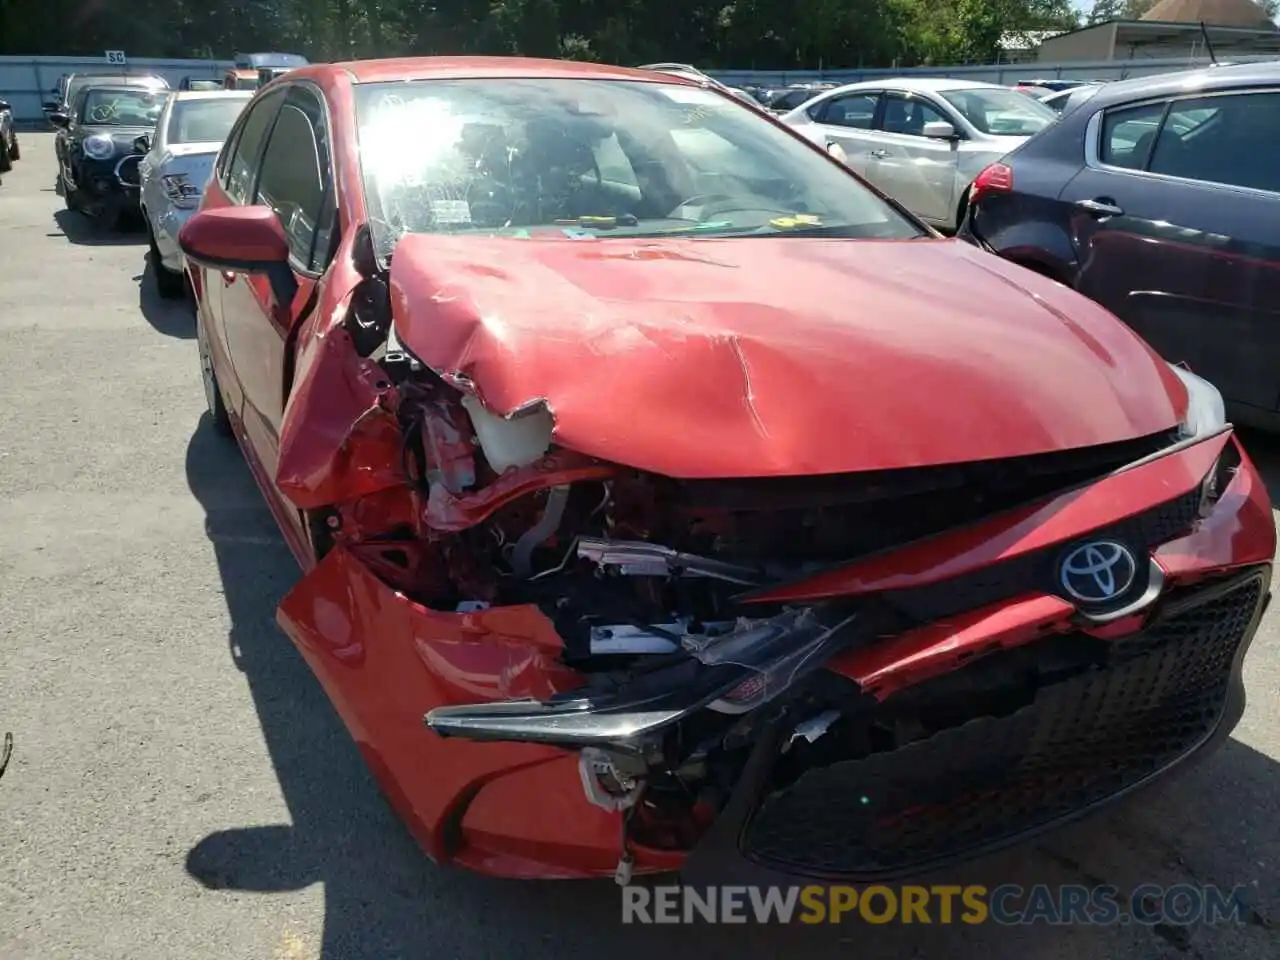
(28, 81)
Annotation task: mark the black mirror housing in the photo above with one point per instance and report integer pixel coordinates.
(59, 119)
(142, 144)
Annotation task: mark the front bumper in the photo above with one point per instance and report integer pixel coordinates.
(1169, 692)
(108, 186)
(519, 810)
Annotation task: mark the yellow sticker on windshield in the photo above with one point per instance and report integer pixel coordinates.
(795, 220)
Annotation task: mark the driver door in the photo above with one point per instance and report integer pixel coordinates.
(917, 171)
(295, 179)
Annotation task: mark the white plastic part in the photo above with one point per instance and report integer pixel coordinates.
(510, 443)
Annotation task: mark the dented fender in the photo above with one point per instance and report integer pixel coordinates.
(339, 439)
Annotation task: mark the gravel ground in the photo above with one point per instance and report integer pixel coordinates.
(181, 788)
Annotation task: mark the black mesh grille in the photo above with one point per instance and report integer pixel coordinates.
(1036, 573)
(1081, 741)
(127, 171)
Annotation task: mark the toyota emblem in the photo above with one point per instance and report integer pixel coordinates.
(1099, 571)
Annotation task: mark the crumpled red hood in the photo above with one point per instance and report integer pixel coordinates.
(764, 356)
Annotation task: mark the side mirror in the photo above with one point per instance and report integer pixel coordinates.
(60, 119)
(49, 106)
(142, 144)
(4, 105)
(241, 240)
(838, 152)
(939, 130)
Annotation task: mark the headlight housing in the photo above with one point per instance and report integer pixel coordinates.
(180, 190)
(98, 147)
(1206, 413)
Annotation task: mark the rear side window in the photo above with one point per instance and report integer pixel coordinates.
(1128, 135)
(1224, 139)
(248, 147)
(855, 110)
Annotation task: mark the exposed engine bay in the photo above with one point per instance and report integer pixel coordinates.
(650, 582)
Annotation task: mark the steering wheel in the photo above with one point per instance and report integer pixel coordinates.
(727, 204)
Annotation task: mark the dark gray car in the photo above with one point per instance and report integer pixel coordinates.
(1160, 198)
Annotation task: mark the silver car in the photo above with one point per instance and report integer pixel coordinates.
(921, 140)
(173, 173)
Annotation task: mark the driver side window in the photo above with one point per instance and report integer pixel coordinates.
(908, 115)
(296, 180)
(243, 163)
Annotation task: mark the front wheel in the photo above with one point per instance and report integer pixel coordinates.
(170, 284)
(6, 164)
(14, 152)
(70, 196)
(212, 392)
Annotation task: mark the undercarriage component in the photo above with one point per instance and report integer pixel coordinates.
(638, 559)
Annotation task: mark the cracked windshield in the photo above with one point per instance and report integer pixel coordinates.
(586, 159)
(122, 108)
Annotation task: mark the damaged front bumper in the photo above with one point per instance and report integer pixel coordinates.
(509, 721)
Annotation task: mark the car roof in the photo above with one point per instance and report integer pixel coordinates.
(921, 84)
(219, 94)
(441, 68)
(120, 79)
(1188, 81)
(120, 88)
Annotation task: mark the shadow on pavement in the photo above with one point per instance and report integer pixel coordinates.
(1218, 823)
(173, 318)
(89, 231)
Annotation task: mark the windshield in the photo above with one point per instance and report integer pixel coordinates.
(123, 108)
(1001, 113)
(582, 159)
(205, 120)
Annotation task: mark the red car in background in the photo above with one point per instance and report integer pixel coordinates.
(669, 499)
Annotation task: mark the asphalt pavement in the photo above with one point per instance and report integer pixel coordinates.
(181, 788)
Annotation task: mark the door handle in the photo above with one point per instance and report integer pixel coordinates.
(1102, 207)
(879, 154)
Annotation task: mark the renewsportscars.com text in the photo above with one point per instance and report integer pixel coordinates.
(1009, 904)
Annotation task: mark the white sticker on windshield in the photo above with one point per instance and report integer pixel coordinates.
(451, 211)
(697, 96)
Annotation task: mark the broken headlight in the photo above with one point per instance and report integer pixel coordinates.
(1206, 412)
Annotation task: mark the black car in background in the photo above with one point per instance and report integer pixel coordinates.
(107, 130)
(1160, 198)
(9, 150)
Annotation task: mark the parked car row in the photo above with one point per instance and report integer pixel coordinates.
(9, 148)
(658, 482)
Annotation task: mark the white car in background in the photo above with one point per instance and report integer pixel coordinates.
(188, 136)
(921, 140)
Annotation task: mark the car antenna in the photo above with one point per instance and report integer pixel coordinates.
(1204, 32)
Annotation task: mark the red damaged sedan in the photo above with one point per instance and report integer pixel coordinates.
(667, 499)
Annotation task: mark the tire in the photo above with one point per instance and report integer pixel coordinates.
(14, 152)
(69, 197)
(169, 284)
(6, 164)
(962, 209)
(212, 391)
